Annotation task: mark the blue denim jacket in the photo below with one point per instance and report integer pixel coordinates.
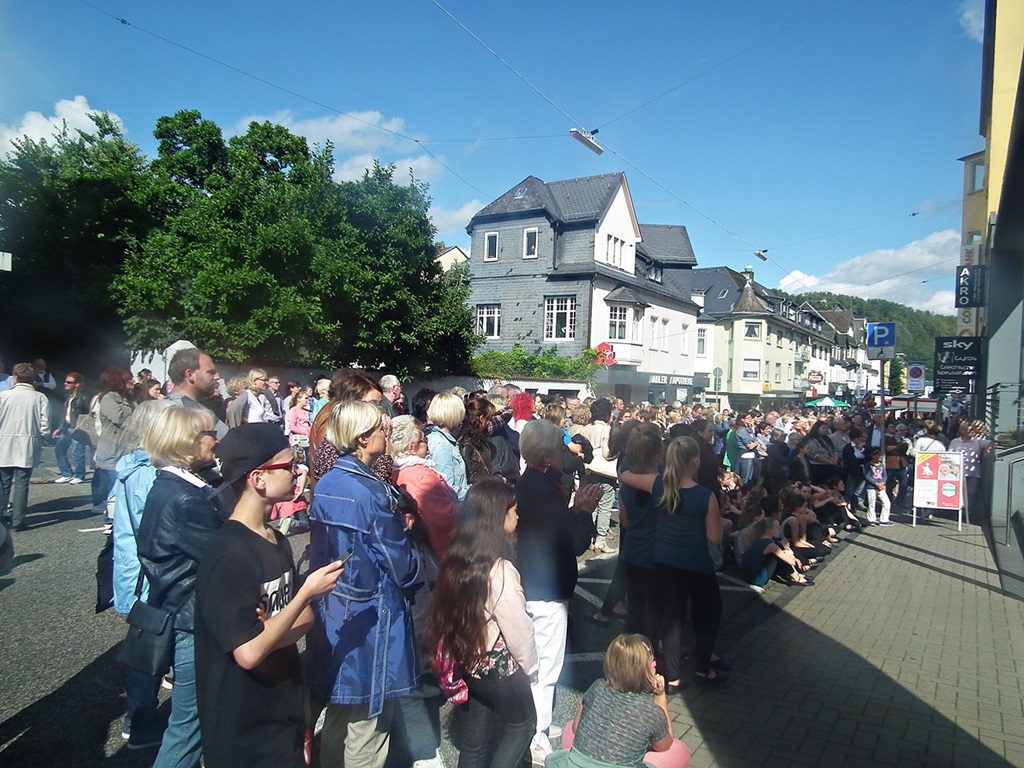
(135, 476)
(362, 648)
(448, 461)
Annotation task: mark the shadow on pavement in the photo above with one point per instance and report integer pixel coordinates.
(797, 697)
(70, 727)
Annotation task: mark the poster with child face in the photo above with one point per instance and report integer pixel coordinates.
(937, 480)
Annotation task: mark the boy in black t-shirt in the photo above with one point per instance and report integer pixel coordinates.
(251, 611)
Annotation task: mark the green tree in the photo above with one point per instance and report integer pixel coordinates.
(70, 209)
(896, 371)
(264, 257)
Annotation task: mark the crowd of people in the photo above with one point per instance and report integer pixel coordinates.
(444, 538)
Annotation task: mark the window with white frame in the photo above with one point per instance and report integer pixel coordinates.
(652, 337)
(778, 373)
(530, 243)
(638, 328)
(752, 331)
(491, 246)
(613, 248)
(664, 335)
(488, 320)
(684, 343)
(559, 318)
(702, 342)
(751, 370)
(617, 321)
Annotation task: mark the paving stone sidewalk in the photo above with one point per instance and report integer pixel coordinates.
(905, 653)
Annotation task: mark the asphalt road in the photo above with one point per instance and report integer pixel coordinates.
(61, 689)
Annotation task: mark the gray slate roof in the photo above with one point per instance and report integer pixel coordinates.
(667, 243)
(567, 201)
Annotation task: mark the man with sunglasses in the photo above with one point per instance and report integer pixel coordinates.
(75, 404)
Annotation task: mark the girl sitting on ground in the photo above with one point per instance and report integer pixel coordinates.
(623, 720)
(767, 556)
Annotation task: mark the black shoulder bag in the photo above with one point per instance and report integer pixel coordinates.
(149, 646)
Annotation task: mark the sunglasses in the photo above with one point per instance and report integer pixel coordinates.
(289, 465)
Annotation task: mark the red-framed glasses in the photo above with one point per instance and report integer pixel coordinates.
(289, 465)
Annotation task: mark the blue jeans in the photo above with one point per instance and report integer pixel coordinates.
(141, 692)
(745, 470)
(64, 442)
(102, 483)
(181, 747)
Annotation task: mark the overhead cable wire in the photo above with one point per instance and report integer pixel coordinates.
(285, 89)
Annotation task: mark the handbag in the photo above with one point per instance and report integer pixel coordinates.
(149, 644)
(85, 430)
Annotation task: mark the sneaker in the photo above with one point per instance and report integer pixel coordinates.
(888, 522)
(144, 742)
(74, 481)
(126, 728)
(62, 479)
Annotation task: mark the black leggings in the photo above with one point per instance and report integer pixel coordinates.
(702, 590)
(497, 704)
(643, 602)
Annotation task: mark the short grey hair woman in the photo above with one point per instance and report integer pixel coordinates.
(551, 537)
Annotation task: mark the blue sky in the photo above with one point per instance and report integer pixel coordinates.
(810, 128)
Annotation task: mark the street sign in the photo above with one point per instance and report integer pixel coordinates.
(957, 362)
(881, 334)
(881, 353)
(915, 377)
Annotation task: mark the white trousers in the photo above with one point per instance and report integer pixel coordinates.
(550, 622)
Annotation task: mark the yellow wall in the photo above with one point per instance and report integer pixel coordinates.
(1009, 45)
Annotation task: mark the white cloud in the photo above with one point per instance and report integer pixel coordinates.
(972, 19)
(359, 138)
(906, 275)
(35, 125)
(359, 132)
(453, 222)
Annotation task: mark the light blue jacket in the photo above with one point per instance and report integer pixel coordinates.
(448, 461)
(362, 648)
(135, 476)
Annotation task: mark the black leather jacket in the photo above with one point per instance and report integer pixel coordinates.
(178, 524)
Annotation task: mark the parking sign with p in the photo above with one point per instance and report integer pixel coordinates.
(881, 334)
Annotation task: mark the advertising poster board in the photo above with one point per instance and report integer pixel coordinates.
(938, 480)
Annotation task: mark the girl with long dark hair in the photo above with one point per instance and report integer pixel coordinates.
(474, 440)
(481, 621)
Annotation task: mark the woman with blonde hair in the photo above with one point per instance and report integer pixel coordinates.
(688, 520)
(361, 650)
(623, 720)
(446, 413)
(179, 520)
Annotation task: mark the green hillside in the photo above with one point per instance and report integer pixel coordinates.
(915, 330)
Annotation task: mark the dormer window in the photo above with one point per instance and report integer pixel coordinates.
(613, 251)
(654, 273)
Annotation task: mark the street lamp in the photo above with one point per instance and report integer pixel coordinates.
(586, 138)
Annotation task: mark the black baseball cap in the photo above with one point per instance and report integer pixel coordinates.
(248, 447)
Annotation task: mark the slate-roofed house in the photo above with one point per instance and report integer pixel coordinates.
(765, 346)
(566, 264)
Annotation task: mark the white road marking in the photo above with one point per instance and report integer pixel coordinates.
(91, 530)
(590, 598)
